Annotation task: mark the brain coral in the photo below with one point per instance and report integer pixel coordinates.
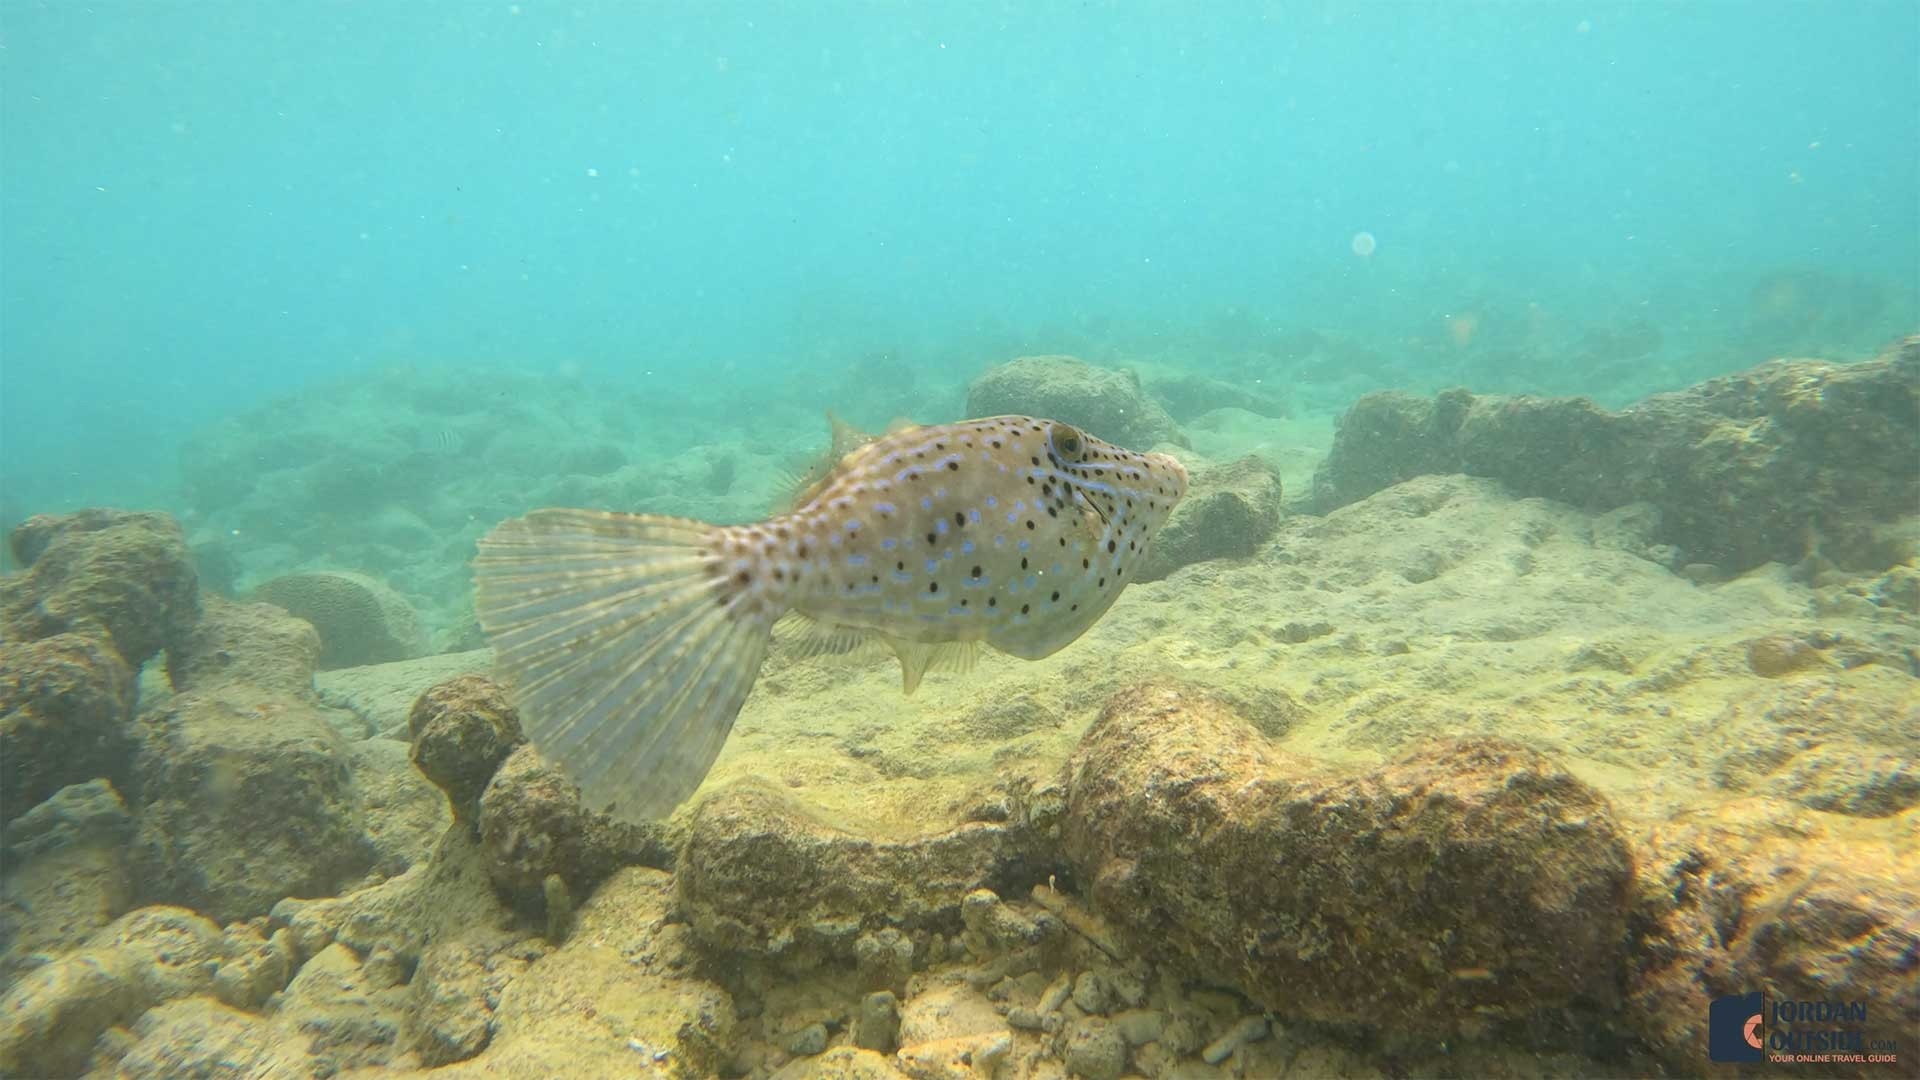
(361, 620)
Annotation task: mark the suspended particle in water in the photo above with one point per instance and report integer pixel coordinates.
(1364, 244)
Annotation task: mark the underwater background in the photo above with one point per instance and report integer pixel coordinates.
(1526, 684)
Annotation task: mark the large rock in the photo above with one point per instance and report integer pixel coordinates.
(762, 875)
(252, 643)
(533, 826)
(65, 874)
(66, 714)
(459, 732)
(1468, 882)
(1230, 510)
(246, 797)
(1759, 894)
(50, 1019)
(1109, 404)
(1791, 458)
(123, 575)
(360, 620)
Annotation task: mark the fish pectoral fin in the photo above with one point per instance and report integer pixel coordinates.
(806, 637)
(918, 657)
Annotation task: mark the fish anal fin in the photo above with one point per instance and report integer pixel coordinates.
(918, 657)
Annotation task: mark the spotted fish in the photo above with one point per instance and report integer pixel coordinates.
(631, 640)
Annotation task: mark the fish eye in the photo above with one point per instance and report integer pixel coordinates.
(1067, 441)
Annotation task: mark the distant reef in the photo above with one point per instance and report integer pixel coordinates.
(1790, 459)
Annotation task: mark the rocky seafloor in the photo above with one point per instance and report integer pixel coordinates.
(1524, 732)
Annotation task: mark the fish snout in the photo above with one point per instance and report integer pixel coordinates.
(1173, 467)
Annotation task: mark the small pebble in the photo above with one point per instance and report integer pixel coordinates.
(808, 1041)
(878, 1026)
(1056, 994)
(1249, 1029)
(1090, 993)
(1096, 1051)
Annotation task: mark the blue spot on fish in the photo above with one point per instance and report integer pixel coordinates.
(933, 565)
(966, 547)
(926, 502)
(992, 502)
(856, 560)
(941, 526)
(886, 508)
(889, 543)
(1024, 545)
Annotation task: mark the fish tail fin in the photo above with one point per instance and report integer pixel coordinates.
(628, 647)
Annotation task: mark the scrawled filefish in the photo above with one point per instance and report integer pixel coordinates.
(631, 640)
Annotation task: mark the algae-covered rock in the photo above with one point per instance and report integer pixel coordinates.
(1785, 459)
(50, 1019)
(360, 620)
(1107, 403)
(532, 825)
(762, 875)
(441, 899)
(1472, 879)
(402, 814)
(65, 874)
(252, 643)
(66, 712)
(460, 731)
(247, 797)
(616, 1000)
(201, 1037)
(123, 575)
(1230, 510)
(1763, 894)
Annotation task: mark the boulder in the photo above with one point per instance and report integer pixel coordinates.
(50, 1019)
(126, 576)
(460, 731)
(533, 827)
(1108, 404)
(1229, 512)
(1467, 882)
(360, 620)
(251, 643)
(1759, 894)
(66, 717)
(65, 874)
(246, 797)
(762, 875)
(1784, 460)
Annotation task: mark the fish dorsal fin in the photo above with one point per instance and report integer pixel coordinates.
(919, 657)
(843, 439)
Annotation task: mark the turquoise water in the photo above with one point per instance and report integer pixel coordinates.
(207, 206)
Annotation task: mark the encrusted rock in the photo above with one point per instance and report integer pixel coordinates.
(1761, 893)
(122, 575)
(360, 619)
(253, 643)
(1737, 467)
(1095, 1050)
(66, 710)
(50, 1019)
(1467, 880)
(1230, 510)
(878, 1025)
(1109, 404)
(460, 731)
(762, 875)
(247, 798)
(533, 824)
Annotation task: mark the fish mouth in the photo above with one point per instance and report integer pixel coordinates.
(1172, 465)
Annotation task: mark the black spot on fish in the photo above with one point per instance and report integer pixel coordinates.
(933, 586)
(960, 519)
